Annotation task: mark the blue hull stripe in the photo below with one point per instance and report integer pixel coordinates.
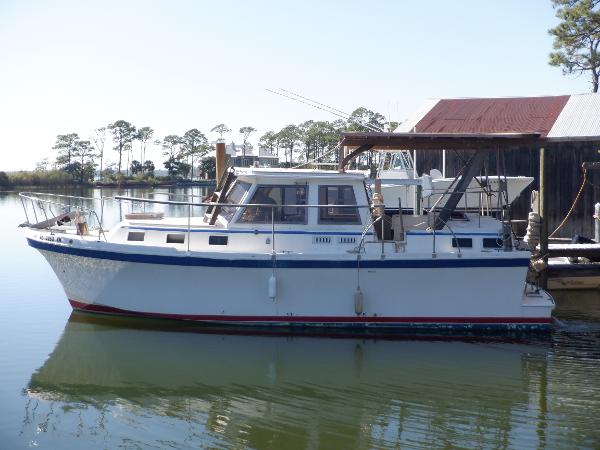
(280, 262)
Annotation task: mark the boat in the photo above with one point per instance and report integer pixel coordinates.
(399, 184)
(292, 247)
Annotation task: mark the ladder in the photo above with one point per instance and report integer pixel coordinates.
(212, 212)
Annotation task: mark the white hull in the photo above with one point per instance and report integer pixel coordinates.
(315, 261)
(438, 291)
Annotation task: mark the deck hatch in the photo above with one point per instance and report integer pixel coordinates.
(137, 236)
(175, 238)
(462, 242)
(217, 240)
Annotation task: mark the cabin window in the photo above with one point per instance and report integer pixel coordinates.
(462, 242)
(234, 196)
(218, 240)
(137, 236)
(175, 238)
(492, 243)
(289, 196)
(338, 195)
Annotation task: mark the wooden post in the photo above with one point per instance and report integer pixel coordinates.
(220, 159)
(341, 156)
(543, 206)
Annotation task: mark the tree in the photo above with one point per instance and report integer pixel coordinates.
(183, 169)
(208, 167)
(123, 135)
(318, 138)
(246, 132)
(99, 139)
(172, 166)
(66, 144)
(4, 180)
(221, 129)
(392, 126)
(269, 140)
(42, 165)
(84, 167)
(363, 119)
(577, 38)
(171, 149)
(144, 135)
(171, 145)
(148, 168)
(287, 138)
(136, 167)
(194, 144)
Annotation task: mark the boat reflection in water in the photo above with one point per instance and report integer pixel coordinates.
(107, 378)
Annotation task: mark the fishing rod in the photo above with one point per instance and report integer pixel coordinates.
(323, 107)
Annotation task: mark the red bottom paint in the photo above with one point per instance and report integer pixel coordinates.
(314, 319)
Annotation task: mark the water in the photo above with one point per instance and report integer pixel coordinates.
(72, 381)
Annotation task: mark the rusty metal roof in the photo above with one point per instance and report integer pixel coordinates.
(493, 115)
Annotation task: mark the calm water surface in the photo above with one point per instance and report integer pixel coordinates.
(72, 381)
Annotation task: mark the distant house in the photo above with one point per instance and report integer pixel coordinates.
(572, 122)
(248, 157)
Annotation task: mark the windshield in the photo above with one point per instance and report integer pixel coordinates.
(234, 196)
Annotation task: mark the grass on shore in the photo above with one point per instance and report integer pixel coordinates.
(59, 178)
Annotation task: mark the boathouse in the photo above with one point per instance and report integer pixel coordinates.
(570, 125)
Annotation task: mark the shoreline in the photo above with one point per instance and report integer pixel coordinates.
(124, 185)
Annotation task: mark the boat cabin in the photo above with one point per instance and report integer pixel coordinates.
(306, 211)
(290, 199)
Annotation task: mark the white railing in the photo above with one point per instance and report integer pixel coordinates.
(36, 206)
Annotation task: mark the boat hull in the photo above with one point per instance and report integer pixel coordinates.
(398, 293)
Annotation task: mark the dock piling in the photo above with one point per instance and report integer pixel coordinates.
(597, 222)
(543, 212)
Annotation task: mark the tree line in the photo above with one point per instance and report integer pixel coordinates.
(185, 155)
(80, 157)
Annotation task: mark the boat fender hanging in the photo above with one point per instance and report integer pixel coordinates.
(272, 287)
(359, 301)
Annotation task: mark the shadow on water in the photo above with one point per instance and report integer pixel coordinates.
(239, 389)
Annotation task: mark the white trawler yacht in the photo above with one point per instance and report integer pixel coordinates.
(285, 247)
(399, 180)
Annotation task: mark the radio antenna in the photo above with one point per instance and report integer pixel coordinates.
(323, 107)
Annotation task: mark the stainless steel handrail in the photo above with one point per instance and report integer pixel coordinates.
(34, 197)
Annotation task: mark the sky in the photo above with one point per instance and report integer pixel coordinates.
(70, 66)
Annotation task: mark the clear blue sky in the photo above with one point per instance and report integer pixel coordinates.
(72, 66)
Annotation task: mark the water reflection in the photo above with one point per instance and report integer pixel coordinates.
(290, 391)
